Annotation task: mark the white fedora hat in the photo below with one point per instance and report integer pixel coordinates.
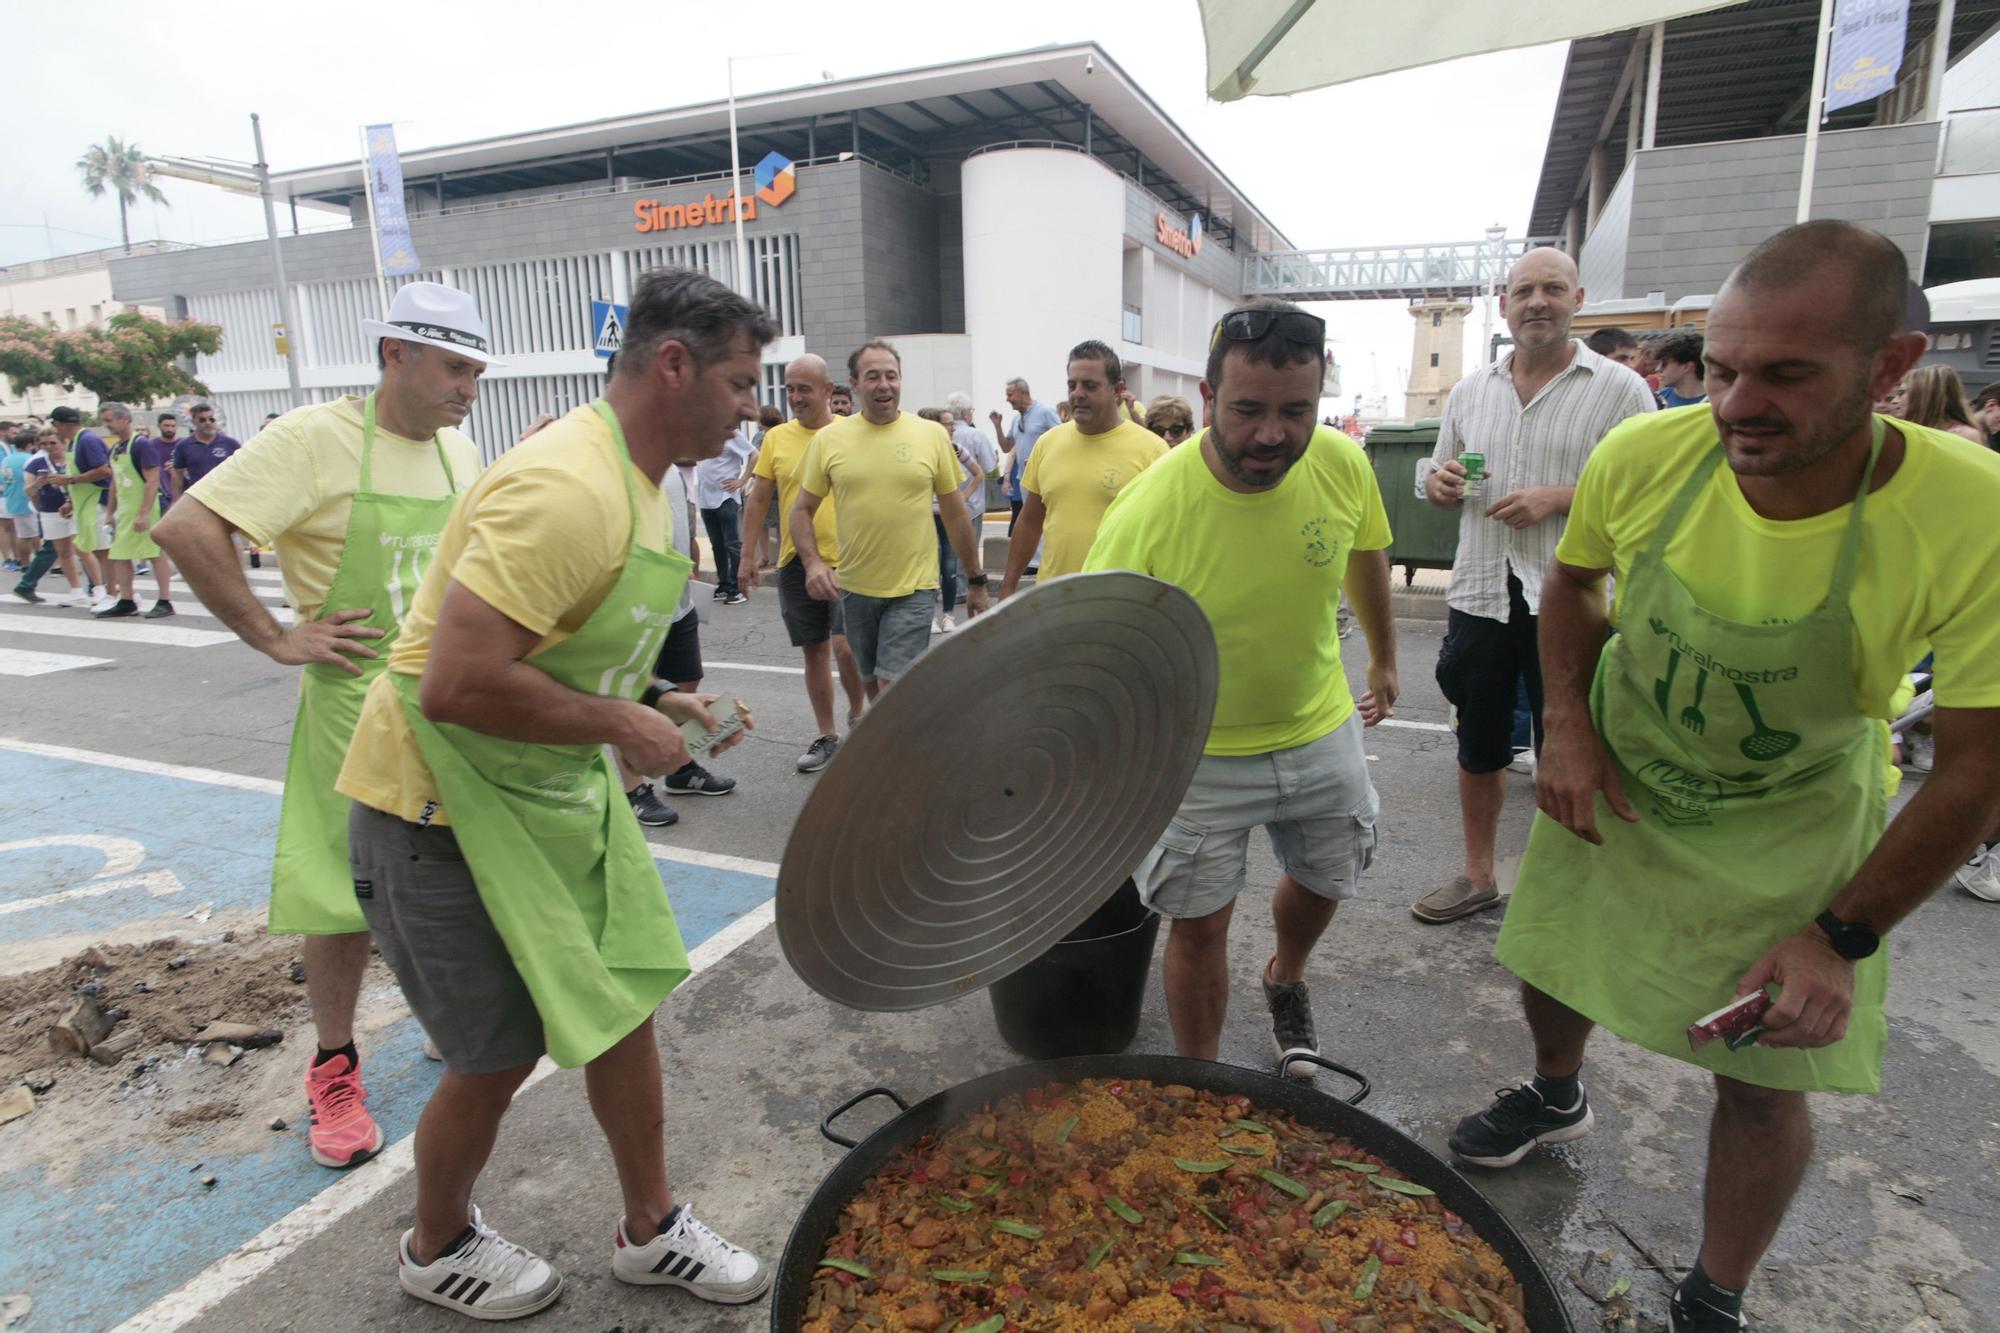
(436, 316)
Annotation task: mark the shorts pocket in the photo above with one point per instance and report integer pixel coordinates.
(1182, 839)
(1364, 836)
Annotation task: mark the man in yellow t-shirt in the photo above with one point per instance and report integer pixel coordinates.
(1078, 468)
(297, 488)
(1264, 520)
(815, 627)
(882, 466)
(1713, 820)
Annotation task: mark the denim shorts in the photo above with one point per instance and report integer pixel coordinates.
(1315, 803)
(887, 634)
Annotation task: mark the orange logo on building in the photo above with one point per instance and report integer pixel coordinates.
(776, 182)
(1183, 241)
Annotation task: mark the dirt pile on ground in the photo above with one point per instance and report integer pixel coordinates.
(163, 993)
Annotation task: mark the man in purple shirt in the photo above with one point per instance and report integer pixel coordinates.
(200, 453)
(89, 482)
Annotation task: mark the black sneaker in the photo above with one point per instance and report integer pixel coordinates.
(161, 609)
(27, 594)
(718, 594)
(1291, 1025)
(652, 812)
(736, 598)
(124, 606)
(819, 754)
(694, 780)
(1701, 1317)
(1518, 1119)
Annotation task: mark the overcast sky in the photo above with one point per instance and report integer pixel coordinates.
(1428, 155)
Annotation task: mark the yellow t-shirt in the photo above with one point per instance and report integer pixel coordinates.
(1928, 577)
(883, 478)
(1077, 476)
(290, 488)
(1267, 571)
(781, 459)
(541, 538)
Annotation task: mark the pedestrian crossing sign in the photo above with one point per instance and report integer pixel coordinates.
(609, 322)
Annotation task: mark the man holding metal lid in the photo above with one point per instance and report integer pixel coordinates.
(503, 875)
(1712, 781)
(351, 494)
(1264, 520)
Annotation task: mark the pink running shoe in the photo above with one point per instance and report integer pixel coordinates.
(343, 1133)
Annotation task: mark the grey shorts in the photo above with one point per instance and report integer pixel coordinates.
(888, 633)
(807, 619)
(425, 913)
(1316, 804)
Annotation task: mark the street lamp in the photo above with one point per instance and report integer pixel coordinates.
(736, 171)
(1489, 273)
(248, 178)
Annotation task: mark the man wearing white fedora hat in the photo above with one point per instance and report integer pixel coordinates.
(352, 495)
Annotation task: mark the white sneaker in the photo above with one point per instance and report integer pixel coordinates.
(488, 1277)
(1523, 762)
(76, 597)
(693, 1257)
(431, 1051)
(1918, 751)
(1980, 876)
(104, 601)
(946, 624)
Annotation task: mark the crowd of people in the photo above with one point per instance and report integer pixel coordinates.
(487, 652)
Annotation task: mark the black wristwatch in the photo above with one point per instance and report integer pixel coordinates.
(975, 580)
(1852, 940)
(651, 695)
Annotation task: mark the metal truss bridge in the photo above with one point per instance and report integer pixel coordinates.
(1453, 269)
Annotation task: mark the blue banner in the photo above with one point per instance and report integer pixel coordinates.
(1867, 51)
(392, 222)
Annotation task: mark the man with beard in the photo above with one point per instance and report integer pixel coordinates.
(1264, 520)
(1534, 416)
(1712, 794)
(1078, 468)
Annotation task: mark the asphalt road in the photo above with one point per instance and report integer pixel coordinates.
(1889, 1233)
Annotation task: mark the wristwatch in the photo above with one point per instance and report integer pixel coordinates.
(651, 695)
(1852, 940)
(975, 580)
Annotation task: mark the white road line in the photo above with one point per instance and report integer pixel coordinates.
(754, 666)
(716, 860)
(21, 662)
(130, 630)
(1414, 726)
(213, 777)
(284, 615)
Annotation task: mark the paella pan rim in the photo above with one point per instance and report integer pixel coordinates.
(1541, 1299)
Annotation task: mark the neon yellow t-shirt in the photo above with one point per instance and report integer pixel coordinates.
(541, 538)
(1267, 571)
(883, 478)
(1929, 571)
(289, 489)
(781, 459)
(1078, 476)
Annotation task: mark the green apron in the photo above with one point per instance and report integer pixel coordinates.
(389, 543)
(1759, 790)
(562, 867)
(86, 498)
(127, 543)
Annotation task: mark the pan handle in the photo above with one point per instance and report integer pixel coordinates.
(826, 1125)
(1359, 1095)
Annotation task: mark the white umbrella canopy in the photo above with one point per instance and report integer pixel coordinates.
(1271, 48)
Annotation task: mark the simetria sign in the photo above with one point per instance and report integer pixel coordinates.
(1183, 241)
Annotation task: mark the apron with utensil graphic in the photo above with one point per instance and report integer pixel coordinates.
(1759, 790)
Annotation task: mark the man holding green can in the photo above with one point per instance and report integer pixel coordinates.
(1510, 447)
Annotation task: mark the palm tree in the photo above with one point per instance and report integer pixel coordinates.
(121, 167)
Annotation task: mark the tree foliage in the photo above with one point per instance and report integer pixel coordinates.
(120, 167)
(131, 358)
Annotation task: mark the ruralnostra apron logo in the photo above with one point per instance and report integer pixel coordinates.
(646, 615)
(568, 787)
(1697, 658)
(413, 542)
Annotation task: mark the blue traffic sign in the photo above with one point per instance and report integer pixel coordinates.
(608, 323)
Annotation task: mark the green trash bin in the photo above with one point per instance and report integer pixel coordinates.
(1424, 536)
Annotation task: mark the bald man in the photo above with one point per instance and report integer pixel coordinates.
(1534, 415)
(815, 627)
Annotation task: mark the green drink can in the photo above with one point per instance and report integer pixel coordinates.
(1475, 473)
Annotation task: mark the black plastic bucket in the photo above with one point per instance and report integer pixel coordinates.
(1084, 996)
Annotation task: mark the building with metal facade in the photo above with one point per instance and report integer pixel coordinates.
(985, 216)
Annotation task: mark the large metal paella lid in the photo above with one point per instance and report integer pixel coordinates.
(999, 793)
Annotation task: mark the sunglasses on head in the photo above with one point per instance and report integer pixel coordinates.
(1247, 326)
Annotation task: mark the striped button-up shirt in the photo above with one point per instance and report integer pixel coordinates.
(1541, 444)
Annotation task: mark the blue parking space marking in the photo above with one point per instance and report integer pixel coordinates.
(167, 844)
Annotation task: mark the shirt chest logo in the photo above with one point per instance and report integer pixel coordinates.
(1320, 546)
(902, 453)
(1111, 481)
